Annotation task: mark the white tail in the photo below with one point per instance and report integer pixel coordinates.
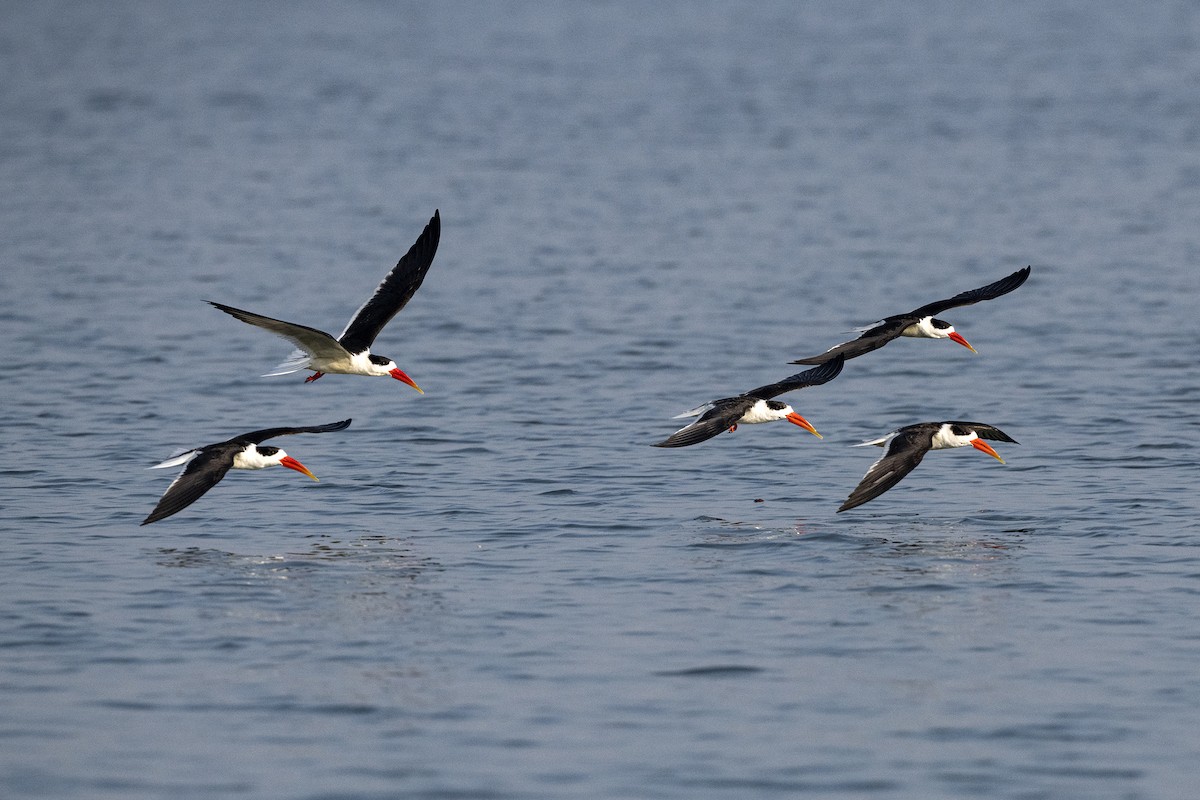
(695, 412)
(175, 461)
(297, 361)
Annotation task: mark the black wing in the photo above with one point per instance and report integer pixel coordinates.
(904, 452)
(985, 431)
(201, 474)
(871, 339)
(395, 291)
(270, 433)
(718, 419)
(811, 377)
(989, 292)
(891, 327)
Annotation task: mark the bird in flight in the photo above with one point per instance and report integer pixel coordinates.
(207, 465)
(921, 322)
(751, 407)
(350, 353)
(908, 445)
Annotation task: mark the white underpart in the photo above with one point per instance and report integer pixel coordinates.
(250, 458)
(337, 361)
(923, 329)
(761, 412)
(946, 438)
(175, 461)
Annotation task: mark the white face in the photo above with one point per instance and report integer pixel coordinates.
(384, 369)
(251, 458)
(762, 412)
(946, 438)
(369, 364)
(928, 328)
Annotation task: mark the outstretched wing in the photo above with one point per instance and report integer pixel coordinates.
(890, 328)
(718, 419)
(317, 344)
(395, 291)
(905, 451)
(810, 377)
(270, 433)
(871, 339)
(201, 474)
(989, 292)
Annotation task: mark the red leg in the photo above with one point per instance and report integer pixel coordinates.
(733, 427)
(313, 377)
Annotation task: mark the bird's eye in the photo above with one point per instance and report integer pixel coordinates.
(380, 360)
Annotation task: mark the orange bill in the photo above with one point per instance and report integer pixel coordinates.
(292, 463)
(984, 447)
(958, 337)
(796, 419)
(399, 375)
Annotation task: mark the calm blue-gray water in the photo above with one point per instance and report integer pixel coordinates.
(499, 589)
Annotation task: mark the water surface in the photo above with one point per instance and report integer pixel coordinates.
(498, 589)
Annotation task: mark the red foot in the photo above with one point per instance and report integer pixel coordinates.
(732, 428)
(313, 377)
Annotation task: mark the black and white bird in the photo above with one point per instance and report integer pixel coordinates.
(752, 407)
(350, 353)
(921, 322)
(908, 445)
(207, 465)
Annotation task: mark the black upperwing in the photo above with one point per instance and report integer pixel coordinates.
(270, 433)
(871, 339)
(201, 474)
(395, 291)
(989, 292)
(212, 462)
(891, 327)
(718, 419)
(904, 453)
(810, 377)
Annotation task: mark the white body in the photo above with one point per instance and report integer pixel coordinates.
(944, 439)
(332, 357)
(761, 412)
(250, 458)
